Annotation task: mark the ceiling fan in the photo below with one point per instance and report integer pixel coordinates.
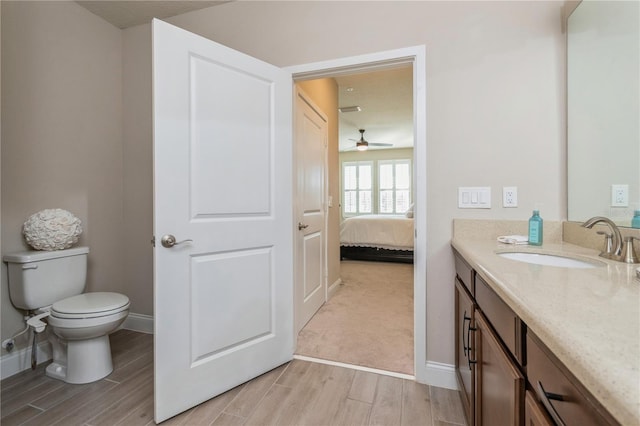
(363, 145)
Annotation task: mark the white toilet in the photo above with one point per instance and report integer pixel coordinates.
(50, 283)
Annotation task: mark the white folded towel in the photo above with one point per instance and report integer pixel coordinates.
(514, 239)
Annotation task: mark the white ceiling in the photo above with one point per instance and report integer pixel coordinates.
(385, 97)
(386, 100)
(125, 14)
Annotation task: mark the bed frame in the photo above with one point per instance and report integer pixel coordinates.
(375, 254)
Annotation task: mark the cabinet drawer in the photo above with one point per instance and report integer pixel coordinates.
(464, 272)
(557, 390)
(502, 318)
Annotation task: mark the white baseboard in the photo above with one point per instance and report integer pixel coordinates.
(139, 322)
(333, 288)
(441, 375)
(20, 359)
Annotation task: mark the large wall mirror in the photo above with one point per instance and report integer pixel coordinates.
(603, 112)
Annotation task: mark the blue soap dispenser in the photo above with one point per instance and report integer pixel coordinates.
(635, 222)
(535, 229)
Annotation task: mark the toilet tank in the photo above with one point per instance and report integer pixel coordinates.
(40, 278)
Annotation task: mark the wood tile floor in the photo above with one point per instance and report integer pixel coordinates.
(297, 393)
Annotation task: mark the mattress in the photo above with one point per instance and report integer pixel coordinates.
(380, 231)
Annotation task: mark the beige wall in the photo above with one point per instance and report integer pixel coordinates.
(324, 93)
(62, 133)
(495, 100)
(138, 168)
(495, 117)
(376, 154)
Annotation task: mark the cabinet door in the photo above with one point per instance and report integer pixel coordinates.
(465, 354)
(534, 413)
(499, 383)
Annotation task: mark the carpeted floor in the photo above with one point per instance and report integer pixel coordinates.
(368, 321)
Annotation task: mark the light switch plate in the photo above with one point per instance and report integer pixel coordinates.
(476, 197)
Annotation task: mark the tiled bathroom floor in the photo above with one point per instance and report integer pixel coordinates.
(297, 393)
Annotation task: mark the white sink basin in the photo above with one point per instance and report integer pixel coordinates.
(551, 260)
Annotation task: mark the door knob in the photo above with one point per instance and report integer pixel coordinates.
(169, 241)
(302, 226)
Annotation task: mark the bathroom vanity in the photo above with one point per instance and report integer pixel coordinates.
(545, 345)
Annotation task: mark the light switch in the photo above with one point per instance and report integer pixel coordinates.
(474, 197)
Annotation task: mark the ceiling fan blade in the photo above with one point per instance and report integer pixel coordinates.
(380, 144)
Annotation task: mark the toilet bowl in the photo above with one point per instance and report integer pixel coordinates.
(77, 324)
(79, 334)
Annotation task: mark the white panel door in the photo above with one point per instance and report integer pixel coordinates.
(311, 149)
(223, 179)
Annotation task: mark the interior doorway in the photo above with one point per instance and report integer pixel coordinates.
(413, 58)
(369, 320)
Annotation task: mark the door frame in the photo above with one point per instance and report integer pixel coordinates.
(299, 93)
(416, 56)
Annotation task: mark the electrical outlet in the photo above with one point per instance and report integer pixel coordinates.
(619, 195)
(8, 344)
(509, 196)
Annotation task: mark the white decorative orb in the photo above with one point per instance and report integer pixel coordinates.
(52, 229)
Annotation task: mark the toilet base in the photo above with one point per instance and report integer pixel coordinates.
(86, 360)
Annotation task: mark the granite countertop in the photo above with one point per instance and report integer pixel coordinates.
(589, 318)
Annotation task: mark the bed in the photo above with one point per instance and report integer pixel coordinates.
(381, 238)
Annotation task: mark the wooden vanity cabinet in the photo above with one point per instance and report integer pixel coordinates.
(506, 375)
(503, 320)
(499, 383)
(534, 412)
(490, 382)
(557, 391)
(465, 274)
(465, 306)
(465, 354)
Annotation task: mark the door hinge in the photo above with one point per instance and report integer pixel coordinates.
(153, 241)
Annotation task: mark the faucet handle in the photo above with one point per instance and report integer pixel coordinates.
(628, 253)
(608, 243)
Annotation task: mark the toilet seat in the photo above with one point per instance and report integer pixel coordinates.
(90, 305)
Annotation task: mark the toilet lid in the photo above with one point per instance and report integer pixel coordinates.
(90, 304)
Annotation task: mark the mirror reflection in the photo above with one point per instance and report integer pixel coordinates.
(603, 49)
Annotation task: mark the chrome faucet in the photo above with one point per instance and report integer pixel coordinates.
(616, 246)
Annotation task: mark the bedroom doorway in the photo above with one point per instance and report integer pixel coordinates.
(357, 275)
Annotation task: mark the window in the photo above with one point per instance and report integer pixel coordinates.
(358, 187)
(376, 186)
(394, 184)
